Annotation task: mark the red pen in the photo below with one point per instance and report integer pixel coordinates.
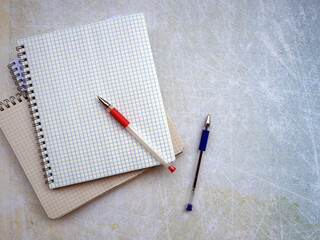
(126, 124)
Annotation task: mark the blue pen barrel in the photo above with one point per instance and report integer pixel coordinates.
(202, 148)
(204, 140)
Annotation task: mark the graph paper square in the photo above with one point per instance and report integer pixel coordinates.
(112, 59)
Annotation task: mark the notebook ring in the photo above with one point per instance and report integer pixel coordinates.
(12, 70)
(18, 48)
(12, 100)
(10, 65)
(42, 150)
(4, 103)
(23, 61)
(47, 175)
(44, 163)
(21, 54)
(19, 97)
(17, 76)
(46, 169)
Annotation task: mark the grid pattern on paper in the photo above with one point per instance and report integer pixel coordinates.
(112, 59)
(15, 122)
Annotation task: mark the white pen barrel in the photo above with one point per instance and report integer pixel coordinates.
(146, 145)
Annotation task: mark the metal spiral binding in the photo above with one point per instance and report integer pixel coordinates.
(15, 68)
(35, 116)
(12, 100)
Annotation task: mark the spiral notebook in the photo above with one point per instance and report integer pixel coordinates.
(79, 140)
(16, 125)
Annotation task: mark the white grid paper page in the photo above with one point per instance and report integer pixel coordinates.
(112, 59)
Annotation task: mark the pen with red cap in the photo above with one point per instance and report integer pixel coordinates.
(126, 124)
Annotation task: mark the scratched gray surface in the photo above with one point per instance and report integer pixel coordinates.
(254, 65)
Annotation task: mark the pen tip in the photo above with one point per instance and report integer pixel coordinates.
(208, 120)
(103, 101)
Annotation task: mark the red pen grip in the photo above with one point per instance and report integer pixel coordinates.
(119, 117)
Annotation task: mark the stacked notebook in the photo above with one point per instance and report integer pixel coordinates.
(78, 142)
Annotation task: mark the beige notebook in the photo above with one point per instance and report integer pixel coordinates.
(16, 125)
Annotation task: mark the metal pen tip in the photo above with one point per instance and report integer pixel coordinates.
(104, 102)
(208, 121)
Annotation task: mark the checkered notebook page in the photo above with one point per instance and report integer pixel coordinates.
(15, 123)
(112, 59)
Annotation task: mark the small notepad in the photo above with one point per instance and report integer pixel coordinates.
(65, 72)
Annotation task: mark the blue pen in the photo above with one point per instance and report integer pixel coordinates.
(202, 148)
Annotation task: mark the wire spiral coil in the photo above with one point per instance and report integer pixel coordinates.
(35, 113)
(17, 74)
(12, 100)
